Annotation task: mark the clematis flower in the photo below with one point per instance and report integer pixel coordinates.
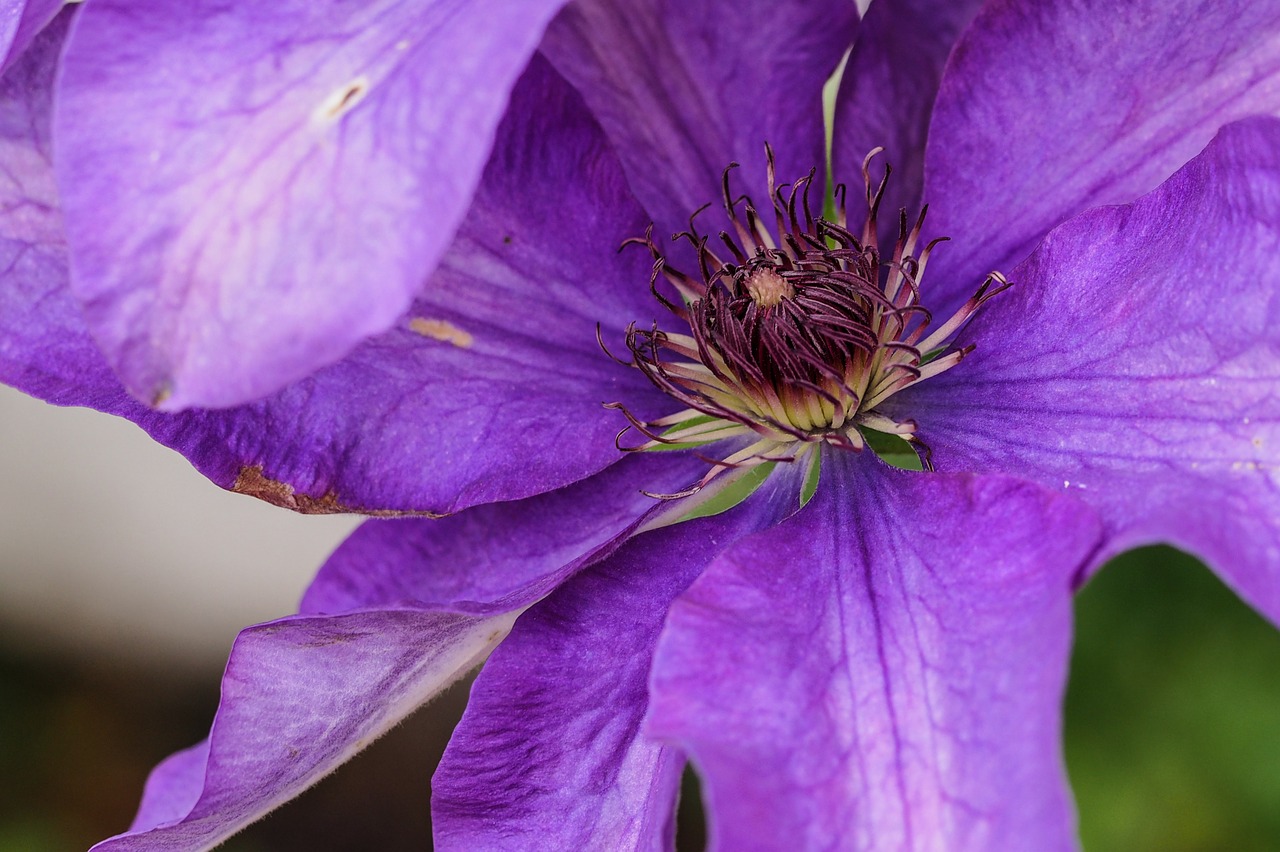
(854, 655)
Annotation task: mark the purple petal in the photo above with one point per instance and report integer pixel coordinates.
(887, 92)
(490, 390)
(44, 349)
(893, 682)
(459, 563)
(684, 89)
(1051, 106)
(253, 189)
(32, 259)
(20, 22)
(1136, 364)
(301, 696)
(173, 788)
(549, 753)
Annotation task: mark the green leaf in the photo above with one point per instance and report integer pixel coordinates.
(811, 477)
(933, 355)
(685, 445)
(743, 485)
(893, 449)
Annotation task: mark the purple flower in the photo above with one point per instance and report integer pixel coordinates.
(306, 212)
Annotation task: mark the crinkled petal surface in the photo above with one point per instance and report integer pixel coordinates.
(32, 259)
(501, 556)
(1051, 106)
(490, 389)
(301, 696)
(1136, 364)
(884, 670)
(887, 92)
(683, 89)
(549, 754)
(44, 348)
(251, 190)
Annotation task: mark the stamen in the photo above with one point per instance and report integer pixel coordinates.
(799, 337)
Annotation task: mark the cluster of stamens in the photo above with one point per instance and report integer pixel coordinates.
(796, 341)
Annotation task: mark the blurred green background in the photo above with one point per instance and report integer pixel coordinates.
(1173, 711)
(1172, 735)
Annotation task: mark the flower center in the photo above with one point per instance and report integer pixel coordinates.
(795, 337)
(768, 288)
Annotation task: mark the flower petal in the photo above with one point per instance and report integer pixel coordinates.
(300, 696)
(887, 92)
(684, 89)
(890, 682)
(501, 556)
(173, 788)
(1031, 127)
(549, 753)
(1136, 364)
(32, 258)
(303, 694)
(241, 220)
(20, 22)
(490, 390)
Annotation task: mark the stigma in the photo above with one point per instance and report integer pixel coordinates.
(768, 288)
(794, 332)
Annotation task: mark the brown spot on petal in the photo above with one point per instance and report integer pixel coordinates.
(161, 394)
(254, 482)
(441, 330)
(343, 100)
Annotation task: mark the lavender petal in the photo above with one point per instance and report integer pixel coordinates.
(252, 190)
(300, 696)
(884, 670)
(549, 754)
(684, 89)
(1048, 107)
(1136, 363)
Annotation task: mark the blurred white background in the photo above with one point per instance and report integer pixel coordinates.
(124, 578)
(114, 547)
